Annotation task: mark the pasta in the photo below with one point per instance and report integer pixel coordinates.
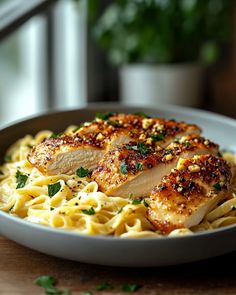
(73, 203)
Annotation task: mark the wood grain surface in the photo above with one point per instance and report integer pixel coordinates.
(20, 266)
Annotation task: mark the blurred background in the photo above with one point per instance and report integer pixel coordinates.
(57, 54)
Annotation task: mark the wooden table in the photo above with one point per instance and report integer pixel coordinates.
(20, 266)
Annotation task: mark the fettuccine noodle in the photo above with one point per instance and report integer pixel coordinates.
(77, 204)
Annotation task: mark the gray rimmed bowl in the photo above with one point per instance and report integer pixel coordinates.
(119, 251)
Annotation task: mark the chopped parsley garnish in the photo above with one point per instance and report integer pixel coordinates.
(145, 203)
(142, 148)
(87, 293)
(48, 283)
(130, 287)
(176, 140)
(7, 158)
(29, 146)
(130, 195)
(158, 137)
(1, 173)
(90, 211)
(187, 144)
(20, 179)
(114, 123)
(121, 209)
(136, 202)
(77, 128)
(11, 207)
(51, 208)
(53, 189)
(82, 172)
(123, 168)
(104, 286)
(217, 186)
(139, 166)
(56, 135)
(142, 114)
(104, 116)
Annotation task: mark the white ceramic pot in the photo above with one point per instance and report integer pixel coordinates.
(143, 85)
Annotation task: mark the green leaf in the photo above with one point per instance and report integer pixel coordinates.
(104, 116)
(7, 158)
(114, 123)
(217, 186)
(158, 137)
(123, 167)
(56, 135)
(48, 283)
(121, 209)
(209, 53)
(82, 172)
(130, 287)
(142, 114)
(20, 179)
(90, 211)
(145, 203)
(87, 293)
(139, 166)
(104, 286)
(142, 148)
(136, 202)
(53, 189)
(187, 144)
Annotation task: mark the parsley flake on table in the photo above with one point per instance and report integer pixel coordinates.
(82, 172)
(90, 211)
(48, 283)
(53, 189)
(20, 179)
(123, 168)
(130, 287)
(104, 286)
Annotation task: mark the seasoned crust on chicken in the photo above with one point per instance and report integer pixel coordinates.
(135, 168)
(86, 146)
(184, 196)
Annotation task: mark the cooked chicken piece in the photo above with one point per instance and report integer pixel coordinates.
(184, 197)
(88, 144)
(160, 131)
(67, 153)
(135, 168)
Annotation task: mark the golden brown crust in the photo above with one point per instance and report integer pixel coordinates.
(126, 160)
(184, 190)
(100, 133)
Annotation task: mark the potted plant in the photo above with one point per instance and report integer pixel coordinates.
(163, 46)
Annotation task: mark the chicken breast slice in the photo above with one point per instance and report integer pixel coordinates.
(135, 168)
(188, 193)
(86, 146)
